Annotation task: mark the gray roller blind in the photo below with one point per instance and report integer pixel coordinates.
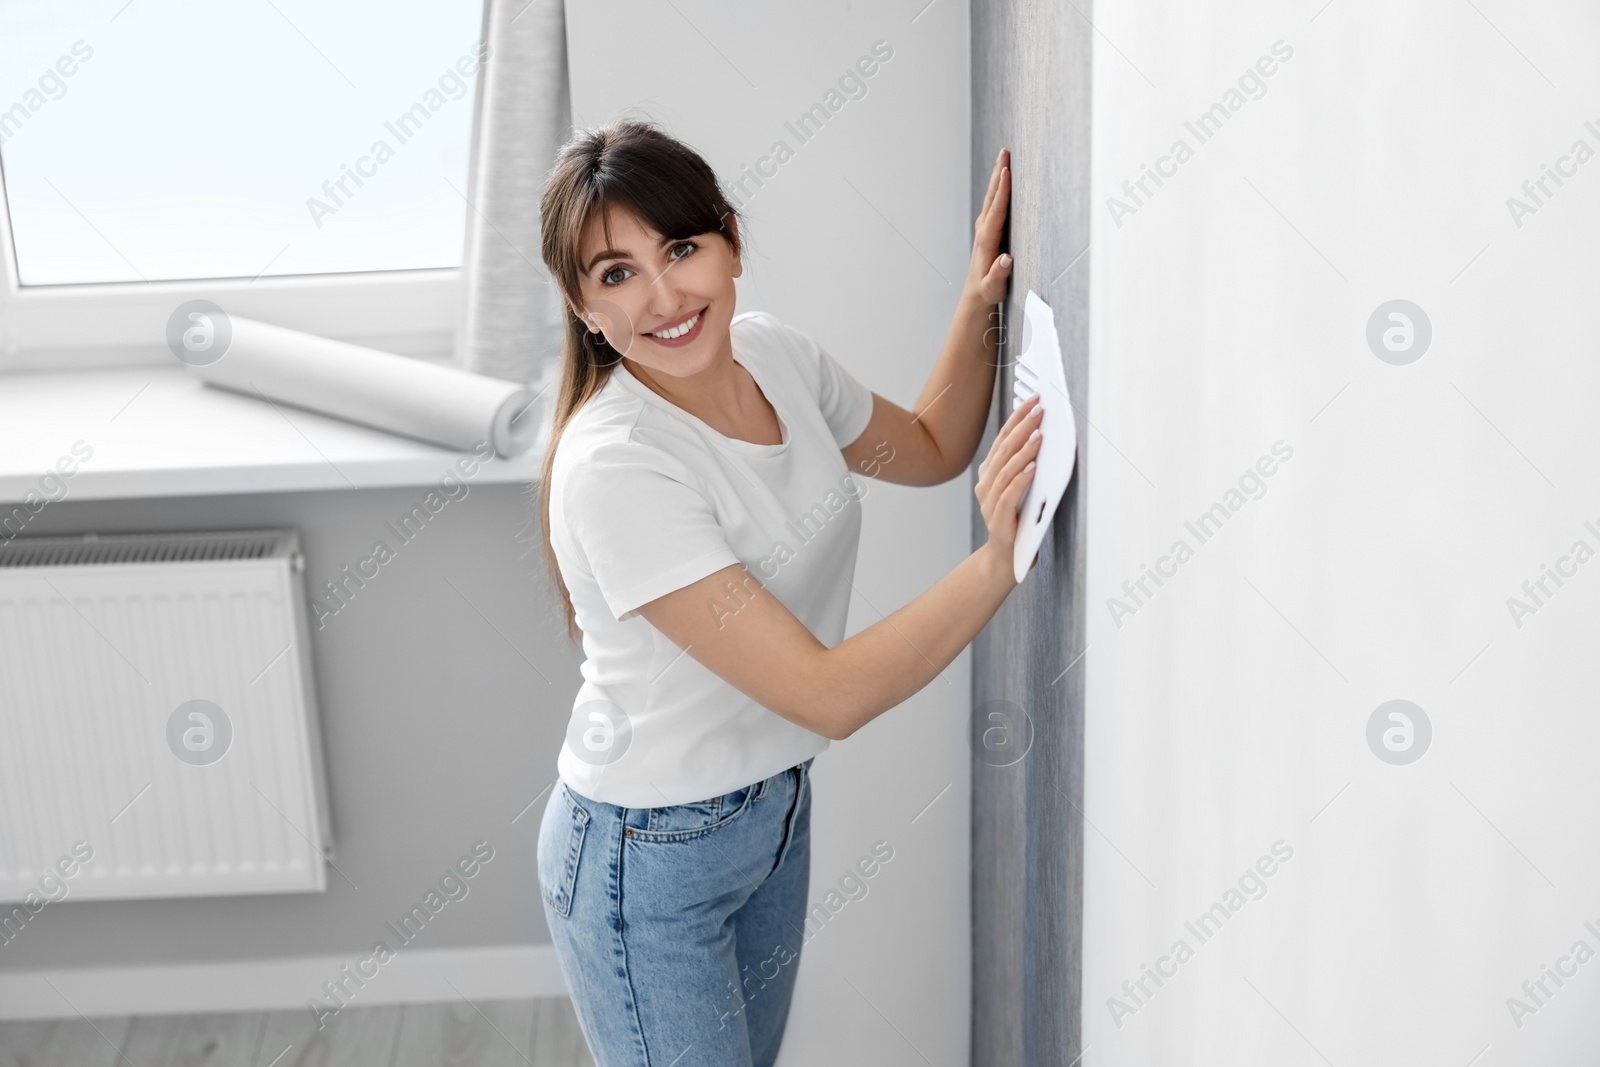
(512, 317)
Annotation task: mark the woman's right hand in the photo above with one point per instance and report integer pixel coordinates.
(1004, 476)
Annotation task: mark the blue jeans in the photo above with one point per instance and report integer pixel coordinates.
(679, 928)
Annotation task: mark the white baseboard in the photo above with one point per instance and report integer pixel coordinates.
(501, 972)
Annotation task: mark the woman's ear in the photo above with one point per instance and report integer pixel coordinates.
(588, 321)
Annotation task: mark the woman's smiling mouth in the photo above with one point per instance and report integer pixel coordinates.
(681, 332)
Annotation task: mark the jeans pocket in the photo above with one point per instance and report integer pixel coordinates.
(560, 844)
(798, 821)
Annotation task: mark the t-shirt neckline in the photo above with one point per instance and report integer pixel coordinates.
(634, 385)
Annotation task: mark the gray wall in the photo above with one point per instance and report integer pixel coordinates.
(438, 731)
(1031, 93)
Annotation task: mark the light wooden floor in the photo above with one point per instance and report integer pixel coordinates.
(485, 1033)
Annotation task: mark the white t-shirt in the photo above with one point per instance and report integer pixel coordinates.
(646, 498)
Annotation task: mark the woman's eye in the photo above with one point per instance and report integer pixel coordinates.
(606, 278)
(690, 245)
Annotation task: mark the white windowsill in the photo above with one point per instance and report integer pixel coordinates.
(159, 431)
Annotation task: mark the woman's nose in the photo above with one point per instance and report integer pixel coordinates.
(666, 291)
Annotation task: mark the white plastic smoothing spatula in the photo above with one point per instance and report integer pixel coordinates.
(1039, 371)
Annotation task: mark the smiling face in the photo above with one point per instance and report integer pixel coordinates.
(665, 304)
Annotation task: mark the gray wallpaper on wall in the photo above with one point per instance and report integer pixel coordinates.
(1031, 93)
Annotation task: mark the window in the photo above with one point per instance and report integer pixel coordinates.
(308, 160)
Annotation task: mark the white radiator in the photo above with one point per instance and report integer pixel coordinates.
(156, 704)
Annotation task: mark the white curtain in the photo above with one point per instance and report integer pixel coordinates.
(512, 320)
(1228, 706)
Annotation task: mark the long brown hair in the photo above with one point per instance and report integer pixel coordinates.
(633, 165)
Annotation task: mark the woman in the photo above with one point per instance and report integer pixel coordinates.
(701, 517)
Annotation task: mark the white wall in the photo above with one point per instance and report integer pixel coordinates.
(858, 269)
(1230, 711)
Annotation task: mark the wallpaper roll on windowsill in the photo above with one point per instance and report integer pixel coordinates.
(395, 393)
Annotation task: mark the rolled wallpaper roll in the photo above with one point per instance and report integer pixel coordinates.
(394, 393)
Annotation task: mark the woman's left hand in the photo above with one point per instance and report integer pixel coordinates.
(990, 270)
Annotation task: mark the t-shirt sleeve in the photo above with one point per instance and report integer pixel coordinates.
(642, 524)
(845, 403)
